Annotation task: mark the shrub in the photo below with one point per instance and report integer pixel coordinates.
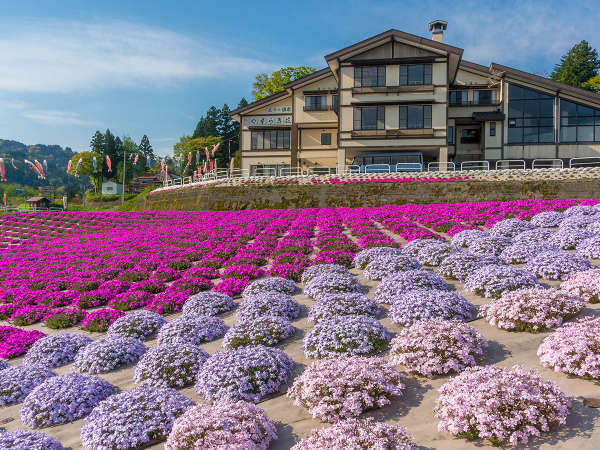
(434, 253)
(510, 227)
(548, 219)
(28, 440)
(108, 354)
(207, 304)
(268, 304)
(458, 265)
(334, 389)
(322, 269)
(568, 238)
(151, 286)
(100, 320)
(172, 365)
(138, 324)
(395, 285)
(415, 246)
(534, 236)
(63, 399)
(437, 347)
(331, 283)
(501, 404)
(584, 284)
(531, 309)
(244, 373)
(557, 265)
(493, 280)
(133, 419)
(489, 245)
(422, 304)
(179, 264)
(192, 330)
(343, 304)
(190, 285)
(14, 341)
(56, 350)
(28, 315)
(134, 275)
(264, 330)
(242, 271)
(63, 317)
(130, 300)
(274, 284)
(364, 257)
(521, 252)
(4, 365)
(382, 266)
(17, 382)
(289, 271)
(232, 286)
(465, 237)
(590, 247)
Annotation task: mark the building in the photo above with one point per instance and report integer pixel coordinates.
(144, 181)
(38, 202)
(111, 188)
(397, 94)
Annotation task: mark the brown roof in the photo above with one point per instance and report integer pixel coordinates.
(262, 101)
(37, 199)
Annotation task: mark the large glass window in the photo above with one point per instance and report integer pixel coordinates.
(369, 76)
(530, 116)
(415, 116)
(450, 135)
(484, 97)
(316, 102)
(458, 97)
(269, 139)
(369, 118)
(415, 74)
(579, 123)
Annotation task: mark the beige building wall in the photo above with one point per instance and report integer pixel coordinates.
(310, 138)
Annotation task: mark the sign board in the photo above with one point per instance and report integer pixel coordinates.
(279, 110)
(267, 121)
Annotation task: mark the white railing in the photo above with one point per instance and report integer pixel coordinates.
(504, 164)
(351, 169)
(475, 165)
(378, 168)
(409, 167)
(320, 170)
(548, 163)
(441, 167)
(290, 172)
(592, 161)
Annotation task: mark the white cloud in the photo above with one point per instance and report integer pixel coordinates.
(56, 118)
(55, 56)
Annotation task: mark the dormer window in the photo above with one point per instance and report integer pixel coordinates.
(415, 74)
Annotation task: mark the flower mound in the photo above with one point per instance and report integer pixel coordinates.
(350, 335)
(98, 321)
(56, 350)
(28, 440)
(343, 305)
(207, 304)
(521, 252)
(557, 265)
(17, 382)
(491, 281)
(64, 399)
(465, 237)
(415, 246)
(437, 347)
(358, 434)
(15, 341)
(134, 418)
(331, 283)
(511, 227)
(489, 245)
(434, 253)
(422, 304)
(504, 405)
(334, 389)
(268, 304)
(192, 330)
(321, 269)
(364, 257)
(574, 348)
(584, 284)
(245, 373)
(548, 219)
(590, 247)
(532, 309)
(270, 284)
(240, 425)
(170, 365)
(264, 330)
(395, 285)
(381, 267)
(138, 324)
(4, 365)
(108, 354)
(457, 266)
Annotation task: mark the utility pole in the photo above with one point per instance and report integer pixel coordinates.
(124, 170)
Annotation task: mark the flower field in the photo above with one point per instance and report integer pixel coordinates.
(385, 327)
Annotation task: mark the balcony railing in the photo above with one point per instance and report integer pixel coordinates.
(474, 103)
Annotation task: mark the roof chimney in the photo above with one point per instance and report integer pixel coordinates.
(437, 28)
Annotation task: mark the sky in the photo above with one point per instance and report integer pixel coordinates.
(71, 67)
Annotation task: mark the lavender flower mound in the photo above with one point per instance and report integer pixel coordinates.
(501, 404)
(192, 330)
(581, 210)
(594, 227)
(548, 219)
(346, 335)
(423, 304)
(4, 365)
(331, 283)
(414, 247)
(521, 252)
(343, 304)
(63, 399)
(321, 269)
(574, 349)
(394, 285)
(589, 248)
(264, 330)
(535, 236)
(364, 257)
(457, 266)
(108, 354)
(584, 284)
(578, 222)
(244, 373)
(268, 304)
(134, 418)
(510, 227)
(357, 434)
(334, 389)
(28, 440)
(223, 425)
(17, 382)
(273, 284)
(138, 324)
(491, 281)
(489, 245)
(437, 347)
(434, 253)
(170, 365)
(569, 238)
(557, 265)
(56, 350)
(209, 303)
(380, 267)
(465, 237)
(532, 309)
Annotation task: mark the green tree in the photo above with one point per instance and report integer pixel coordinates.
(87, 167)
(131, 149)
(195, 146)
(578, 66)
(97, 142)
(593, 84)
(145, 148)
(266, 85)
(208, 125)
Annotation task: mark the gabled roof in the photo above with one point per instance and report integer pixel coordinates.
(258, 103)
(36, 199)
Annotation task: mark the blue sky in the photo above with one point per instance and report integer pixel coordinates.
(70, 67)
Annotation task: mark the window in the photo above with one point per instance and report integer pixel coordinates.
(369, 118)
(369, 76)
(469, 136)
(492, 128)
(269, 139)
(334, 102)
(325, 138)
(530, 116)
(579, 123)
(415, 117)
(415, 74)
(458, 97)
(316, 102)
(484, 97)
(450, 135)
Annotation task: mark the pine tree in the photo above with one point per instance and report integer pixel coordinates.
(145, 148)
(207, 125)
(97, 143)
(579, 65)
